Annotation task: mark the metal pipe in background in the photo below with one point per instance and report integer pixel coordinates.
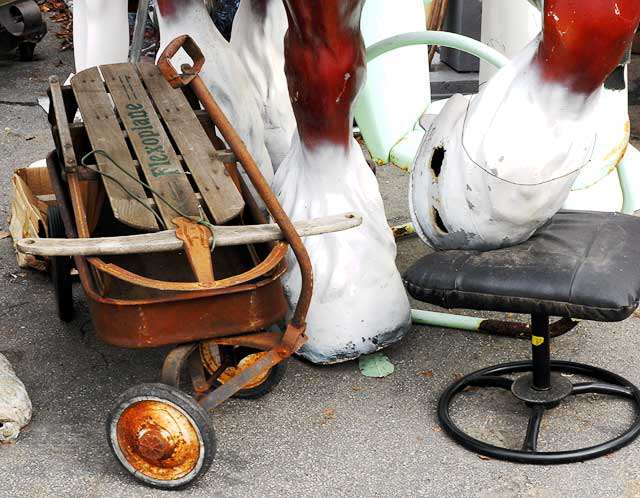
(138, 31)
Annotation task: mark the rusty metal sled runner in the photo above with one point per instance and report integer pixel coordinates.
(144, 189)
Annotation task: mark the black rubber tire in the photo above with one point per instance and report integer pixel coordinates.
(60, 267)
(269, 384)
(25, 51)
(198, 415)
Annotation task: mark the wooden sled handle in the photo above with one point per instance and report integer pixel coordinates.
(167, 241)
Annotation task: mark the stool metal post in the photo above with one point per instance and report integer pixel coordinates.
(540, 352)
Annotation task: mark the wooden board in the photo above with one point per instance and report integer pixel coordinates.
(104, 133)
(167, 240)
(62, 123)
(212, 178)
(225, 155)
(155, 153)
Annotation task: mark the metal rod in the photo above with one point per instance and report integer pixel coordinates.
(264, 190)
(214, 398)
(500, 328)
(533, 429)
(138, 31)
(602, 388)
(492, 381)
(540, 352)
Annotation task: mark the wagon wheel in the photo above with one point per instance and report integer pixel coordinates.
(60, 267)
(239, 358)
(161, 436)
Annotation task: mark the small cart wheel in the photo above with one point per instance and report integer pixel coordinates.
(245, 357)
(26, 50)
(161, 436)
(60, 267)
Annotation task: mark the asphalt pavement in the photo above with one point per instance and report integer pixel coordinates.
(325, 431)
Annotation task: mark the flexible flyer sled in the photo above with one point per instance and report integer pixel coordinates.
(144, 190)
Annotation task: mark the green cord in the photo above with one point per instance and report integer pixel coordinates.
(201, 221)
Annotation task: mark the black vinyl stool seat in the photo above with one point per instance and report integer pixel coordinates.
(580, 265)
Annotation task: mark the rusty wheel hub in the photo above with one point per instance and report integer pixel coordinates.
(159, 440)
(155, 444)
(210, 356)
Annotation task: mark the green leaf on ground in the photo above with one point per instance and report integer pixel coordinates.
(376, 365)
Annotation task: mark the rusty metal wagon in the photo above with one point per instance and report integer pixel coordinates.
(224, 309)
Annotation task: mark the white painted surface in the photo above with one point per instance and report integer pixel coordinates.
(100, 32)
(613, 133)
(259, 42)
(224, 75)
(359, 304)
(630, 173)
(15, 405)
(511, 157)
(605, 195)
(508, 26)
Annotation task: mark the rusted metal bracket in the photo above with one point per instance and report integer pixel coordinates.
(292, 340)
(175, 362)
(189, 72)
(271, 262)
(196, 245)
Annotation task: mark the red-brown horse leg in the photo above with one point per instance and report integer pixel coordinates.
(584, 40)
(325, 66)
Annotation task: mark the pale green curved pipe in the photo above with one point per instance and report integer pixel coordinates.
(445, 320)
(441, 38)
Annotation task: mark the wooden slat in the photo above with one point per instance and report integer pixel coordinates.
(167, 240)
(104, 133)
(225, 155)
(157, 158)
(214, 183)
(62, 123)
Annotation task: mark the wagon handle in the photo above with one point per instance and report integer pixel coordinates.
(189, 71)
(248, 163)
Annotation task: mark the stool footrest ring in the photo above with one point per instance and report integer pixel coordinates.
(605, 383)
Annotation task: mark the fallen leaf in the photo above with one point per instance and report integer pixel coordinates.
(329, 413)
(376, 365)
(4, 235)
(484, 457)
(428, 373)
(436, 429)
